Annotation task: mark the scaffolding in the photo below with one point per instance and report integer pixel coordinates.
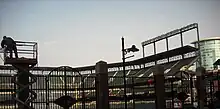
(27, 52)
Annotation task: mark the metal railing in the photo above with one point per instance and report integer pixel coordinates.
(25, 50)
(140, 91)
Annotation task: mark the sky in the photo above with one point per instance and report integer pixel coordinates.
(82, 32)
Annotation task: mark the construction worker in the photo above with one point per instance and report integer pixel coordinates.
(10, 45)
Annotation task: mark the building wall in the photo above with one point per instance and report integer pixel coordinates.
(210, 52)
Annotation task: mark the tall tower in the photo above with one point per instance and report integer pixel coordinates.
(27, 52)
(209, 51)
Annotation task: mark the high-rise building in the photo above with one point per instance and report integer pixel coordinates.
(210, 51)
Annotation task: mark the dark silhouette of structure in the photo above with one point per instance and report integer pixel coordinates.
(23, 79)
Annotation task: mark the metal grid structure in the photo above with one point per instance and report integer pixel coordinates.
(140, 91)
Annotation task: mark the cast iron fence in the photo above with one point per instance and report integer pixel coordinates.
(82, 92)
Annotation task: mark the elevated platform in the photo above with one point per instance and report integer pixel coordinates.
(27, 61)
(27, 54)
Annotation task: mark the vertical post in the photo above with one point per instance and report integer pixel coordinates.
(143, 51)
(133, 92)
(211, 87)
(172, 93)
(181, 76)
(155, 52)
(102, 90)
(198, 44)
(83, 93)
(15, 103)
(200, 71)
(155, 48)
(65, 88)
(181, 39)
(191, 90)
(47, 92)
(167, 44)
(159, 87)
(124, 74)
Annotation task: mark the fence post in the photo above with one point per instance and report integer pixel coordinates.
(102, 93)
(200, 86)
(159, 87)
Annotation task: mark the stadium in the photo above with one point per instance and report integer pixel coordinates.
(49, 87)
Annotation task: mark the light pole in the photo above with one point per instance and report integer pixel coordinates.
(124, 52)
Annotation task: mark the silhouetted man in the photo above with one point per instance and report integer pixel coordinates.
(10, 45)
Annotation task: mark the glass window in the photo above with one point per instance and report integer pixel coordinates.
(210, 42)
(217, 41)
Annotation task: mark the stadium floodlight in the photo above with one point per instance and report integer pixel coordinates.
(124, 52)
(166, 36)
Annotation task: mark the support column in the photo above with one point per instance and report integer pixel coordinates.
(200, 86)
(102, 91)
(159, 87)
(23, 79)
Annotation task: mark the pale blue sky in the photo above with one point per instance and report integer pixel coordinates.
(80, 33)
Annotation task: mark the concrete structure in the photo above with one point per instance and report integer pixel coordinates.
(159, 87)
(200, 86)
(102, 90)
(210, 51)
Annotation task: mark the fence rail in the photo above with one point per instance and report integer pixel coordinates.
(140, 91)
